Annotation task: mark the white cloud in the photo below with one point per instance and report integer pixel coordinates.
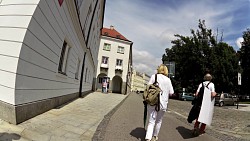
(239, 41)
(151, 25)
(146, 62)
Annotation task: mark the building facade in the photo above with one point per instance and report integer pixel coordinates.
(48, 54)
(114, 61)
(139, 81)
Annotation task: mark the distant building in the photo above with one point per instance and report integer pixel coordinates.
(139, 81)
(48, 54)
(114, 61)
(146, 78)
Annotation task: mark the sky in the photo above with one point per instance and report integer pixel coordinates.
(152, 24)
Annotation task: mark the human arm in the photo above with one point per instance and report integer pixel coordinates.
(212, 88)
(151, 80)
(213, 94)
(197, 91)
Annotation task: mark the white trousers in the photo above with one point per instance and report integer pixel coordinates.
(154, 122)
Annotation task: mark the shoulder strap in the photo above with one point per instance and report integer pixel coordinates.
(155, 79)
(208, 84)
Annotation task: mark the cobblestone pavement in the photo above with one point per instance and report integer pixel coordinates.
(126, 124)
(228, 122)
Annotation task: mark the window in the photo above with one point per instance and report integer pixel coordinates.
(77, 68)
(63, 58)
(105, 60)
(120, 50)
(118, 62)
(107, 47)
(86, 74)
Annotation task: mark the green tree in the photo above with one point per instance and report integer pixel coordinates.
(245, 62)
(199, 54)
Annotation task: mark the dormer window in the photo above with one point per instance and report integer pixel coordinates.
(106, 33)
(118, 36)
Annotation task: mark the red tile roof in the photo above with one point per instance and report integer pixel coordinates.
(111, 32)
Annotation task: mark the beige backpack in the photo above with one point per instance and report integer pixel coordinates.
(151, 94)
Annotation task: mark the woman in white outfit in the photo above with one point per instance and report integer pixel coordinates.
(155, 118)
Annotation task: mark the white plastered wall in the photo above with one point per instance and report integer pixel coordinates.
(15, 16)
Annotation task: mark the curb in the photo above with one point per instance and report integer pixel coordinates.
(101, 129)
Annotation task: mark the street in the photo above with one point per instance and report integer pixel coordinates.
(127, 124)
(228, 122)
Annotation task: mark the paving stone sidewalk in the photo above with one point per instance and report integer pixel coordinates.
(75, 121)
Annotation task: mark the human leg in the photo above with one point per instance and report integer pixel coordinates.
(151, 122)
(197, 124)
(158, 122)
(195, 131)
(202, 128)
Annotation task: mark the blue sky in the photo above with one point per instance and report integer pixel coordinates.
(151, 24)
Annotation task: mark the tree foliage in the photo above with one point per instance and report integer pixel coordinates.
(201, 53)
(245, 62)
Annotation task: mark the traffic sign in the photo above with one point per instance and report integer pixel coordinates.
(239, 78)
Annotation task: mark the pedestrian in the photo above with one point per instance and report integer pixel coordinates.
(155, 117)
(104, 86)
(206, 104)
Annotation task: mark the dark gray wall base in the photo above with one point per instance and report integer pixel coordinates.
(16, 114)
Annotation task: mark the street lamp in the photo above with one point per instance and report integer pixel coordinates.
(239, 83)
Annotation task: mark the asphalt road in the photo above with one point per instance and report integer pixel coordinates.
(126, 124)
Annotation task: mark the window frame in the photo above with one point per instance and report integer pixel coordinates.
(62, 66)
(119, 62)
(120, 49)
(106, 45)
(77, 69)
(105, 60)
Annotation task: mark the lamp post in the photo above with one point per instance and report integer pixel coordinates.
(239, 83)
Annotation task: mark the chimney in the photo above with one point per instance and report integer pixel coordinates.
(112, 27)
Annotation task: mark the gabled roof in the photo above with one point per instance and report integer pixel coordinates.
(111, 32)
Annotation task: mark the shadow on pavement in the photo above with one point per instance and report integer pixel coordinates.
(184, 132)
(139, 133)
(9, 136)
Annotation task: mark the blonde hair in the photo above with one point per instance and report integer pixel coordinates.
(162, 69)
(208, 77)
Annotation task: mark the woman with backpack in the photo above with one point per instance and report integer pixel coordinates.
(156, 115)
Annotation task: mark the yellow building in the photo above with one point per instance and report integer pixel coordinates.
(139, 81)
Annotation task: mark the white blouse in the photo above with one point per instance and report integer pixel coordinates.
(166, 86)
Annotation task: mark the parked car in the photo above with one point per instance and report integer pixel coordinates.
(174, 96)
(244, 97)
(186, 96)
(225, 99)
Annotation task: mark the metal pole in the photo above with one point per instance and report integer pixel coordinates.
(239, 83)
(238, 98)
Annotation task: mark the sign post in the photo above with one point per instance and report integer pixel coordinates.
(239, 83)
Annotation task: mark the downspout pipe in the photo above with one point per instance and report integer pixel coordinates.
(88, 48)
(81, 79)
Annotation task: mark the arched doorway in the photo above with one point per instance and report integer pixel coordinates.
(99, 81)
(117, 84)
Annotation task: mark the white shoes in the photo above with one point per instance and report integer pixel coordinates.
(155, 138)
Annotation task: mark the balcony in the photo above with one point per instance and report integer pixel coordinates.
(118, 68)
(105, 66)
